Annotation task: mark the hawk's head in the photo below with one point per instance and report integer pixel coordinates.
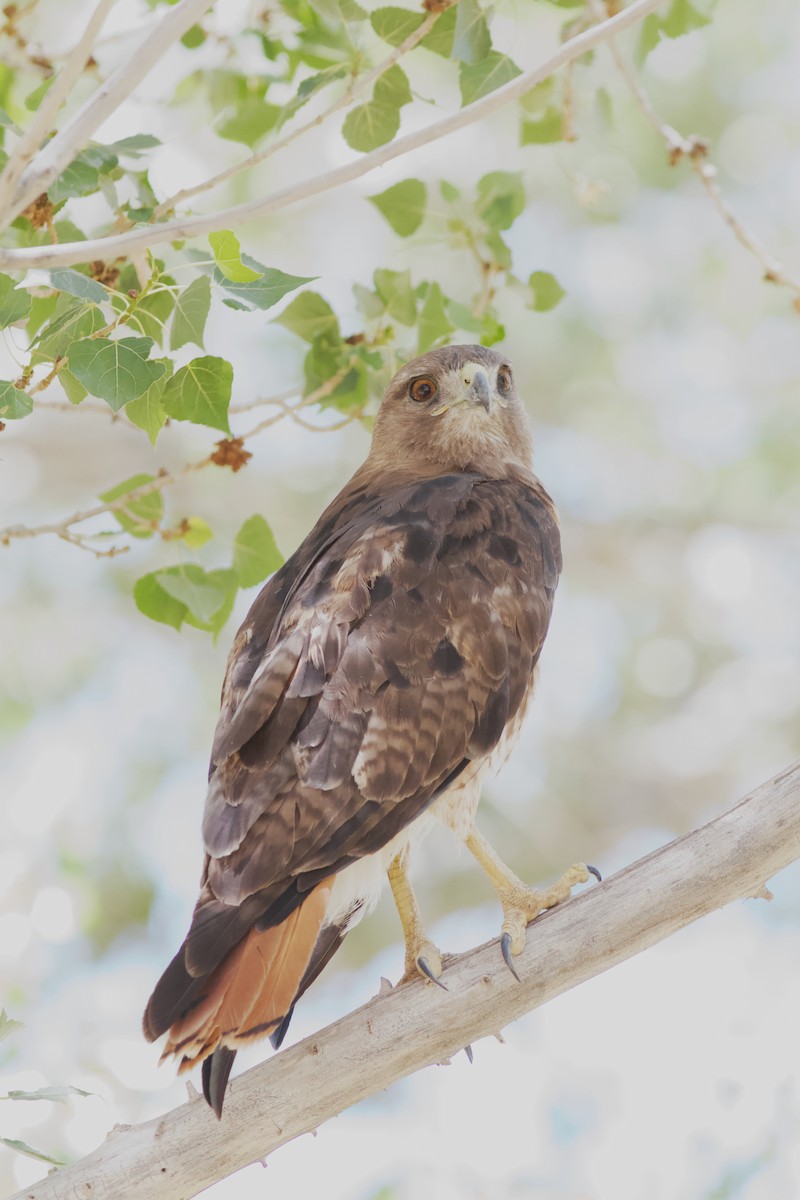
(453, 409)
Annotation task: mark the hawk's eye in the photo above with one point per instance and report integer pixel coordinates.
(422, 390)
(504, 380)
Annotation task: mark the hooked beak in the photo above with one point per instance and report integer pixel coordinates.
(478, 389)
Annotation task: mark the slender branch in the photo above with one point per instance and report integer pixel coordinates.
(64, 528)
(45, 118)
(55, 156)
(403, 1029)
(185, 227)
(347, 97)
(696, 151)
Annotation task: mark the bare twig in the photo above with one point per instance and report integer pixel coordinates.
(347, 97)
(65, 528)
(403, 1029)
(45, 117)
(696, 151)
(113, 244)
(55, 156)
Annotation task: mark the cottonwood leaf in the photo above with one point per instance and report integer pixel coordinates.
(151, 600)
(24, 1148)
(71, 322)
(306, 89)
(15, 304)
(394, 288)
(8, 1025)
(262, 293)
(434, 324)
(543, 130)
(370, 125)
(115, 371)
(227, 256)
(196, 533)
(140, 515)
(501, 198)
(403, 205)
(201, 392)
(485, 76)
(394, 25)
(192, 306)
(309, 316)
(471, 38)
(190, 586)
(148, 411)
(546, 291)
(79, 179)
(66, 280)
(255, 553)
(60, 1095)
(14, 403)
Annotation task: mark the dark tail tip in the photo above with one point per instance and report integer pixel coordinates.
(216, 1071)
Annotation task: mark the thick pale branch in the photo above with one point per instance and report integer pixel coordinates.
(47, 112)
(187, 227)
(58, 153)
(356, 89)
(402, 1030)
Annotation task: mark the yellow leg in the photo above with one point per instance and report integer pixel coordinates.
(422, 957)
(520, 902)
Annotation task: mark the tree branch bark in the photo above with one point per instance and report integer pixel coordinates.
(58, 153)
(404, 1029)
(188, 227)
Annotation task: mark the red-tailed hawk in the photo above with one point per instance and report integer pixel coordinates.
(374, 680)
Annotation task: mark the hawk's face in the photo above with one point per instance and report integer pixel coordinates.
(453, 409)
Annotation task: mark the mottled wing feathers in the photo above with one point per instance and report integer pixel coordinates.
(387, 654)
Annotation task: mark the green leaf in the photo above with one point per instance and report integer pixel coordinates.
(501, 198)
(492, 331)
(307, 89)
(192, 305)
(463, 317)
(74, 391)
(403, 205)
(499, 251)
(485, 76)
(547, 291)
(24, 1148)
(309, 316)
(373, 124)
(140, 516)
(441, 37)
(42, 309)
(226, 581)
(449, 191)
(71, 322)
(227, 256)
(150, 314)
(370, 125)
(248, 123)
(59, 1095)
(262, 293)
(197, 533)
(147, 411)
(151, 599)
(76, 284)
(8, 1025)
(201, 392)
(34, 98)
(394, 25)
(434, 324)
(15, 304)
(683, 17)
(190, 586)
(79, 179)
(14, 403)
(116, 371)
(392, 87)
(133, 146)
(255, 554)
(396, 292)
(471, 40)
(545, 129)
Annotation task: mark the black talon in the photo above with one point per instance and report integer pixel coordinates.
(422, 963)
(505, 946)
(594, 871)
(468, 1052)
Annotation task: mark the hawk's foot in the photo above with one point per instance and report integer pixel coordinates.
(520, 902)
(422, 957)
